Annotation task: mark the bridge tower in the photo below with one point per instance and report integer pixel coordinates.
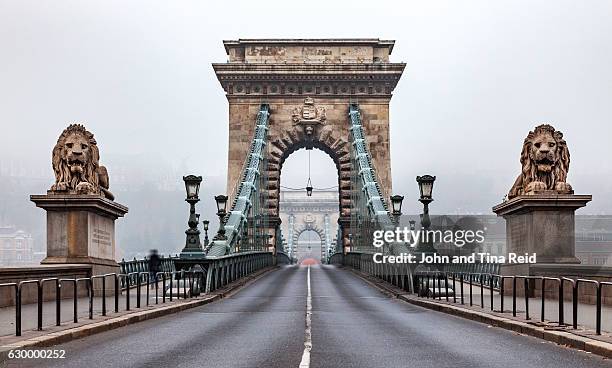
(308, 85)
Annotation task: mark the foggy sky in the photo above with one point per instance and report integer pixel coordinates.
(479, 76)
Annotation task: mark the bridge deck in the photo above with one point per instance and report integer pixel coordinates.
(353, 325)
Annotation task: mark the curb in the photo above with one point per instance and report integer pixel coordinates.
(79, 332)
(569, 339)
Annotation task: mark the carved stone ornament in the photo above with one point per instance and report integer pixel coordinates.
(545, 162)
(309, 112)
(309, 117)
(76, 164)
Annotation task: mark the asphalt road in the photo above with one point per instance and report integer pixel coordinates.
(353, 325)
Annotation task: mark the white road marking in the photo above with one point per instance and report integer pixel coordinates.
(305, 363)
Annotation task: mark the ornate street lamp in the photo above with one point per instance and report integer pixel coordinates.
(192, 243)
(396, 205)
(192, 186)
(221, 212)
(426, 183)
(205, 224)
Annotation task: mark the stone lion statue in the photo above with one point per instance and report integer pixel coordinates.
(76, 164)
(545, 162)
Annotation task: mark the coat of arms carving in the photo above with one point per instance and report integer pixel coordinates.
(309, 118)
(309, 113)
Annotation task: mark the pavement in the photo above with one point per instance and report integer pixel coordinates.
(353, 324)
(29, 311)
(586, 312)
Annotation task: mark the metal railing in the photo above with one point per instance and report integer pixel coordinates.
(192, 282)
(223, 270)
(430, 283)
(142, 265)
(398, 274)
(216, 273)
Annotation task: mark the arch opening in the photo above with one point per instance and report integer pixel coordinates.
(316, 216)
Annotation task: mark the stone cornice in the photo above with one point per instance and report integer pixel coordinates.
(309, 71)
(310, 41)
(372, 79)
(541, 202)
(76, 202)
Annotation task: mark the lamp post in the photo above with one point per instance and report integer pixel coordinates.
(396, 205)
(192, 242)
(426, 183)
(205, 224)
(221, 200)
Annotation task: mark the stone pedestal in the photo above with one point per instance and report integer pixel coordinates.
(541, 224)
(81, 230)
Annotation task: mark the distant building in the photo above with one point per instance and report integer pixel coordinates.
(594, 240)
(309, 224)
(16, 248)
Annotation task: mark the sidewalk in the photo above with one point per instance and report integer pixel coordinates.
(586, 312)
(29, 312)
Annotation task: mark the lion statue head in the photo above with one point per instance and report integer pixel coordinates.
(76, 164)
(545, 162)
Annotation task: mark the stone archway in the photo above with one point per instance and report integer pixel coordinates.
(321, 137)
(309, 227)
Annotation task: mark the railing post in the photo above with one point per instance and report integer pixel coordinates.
(598, 311)
(575, 305)
(513, 296)
(18, 311)
(156, 288)
(90, 292)
(40, 305)
(75, 302)
(461, 286)
(104, 295)
(526, 287)
(58, 303)
(454, 289)
(148, 285)
(481, 291)
(184, 284)
(543, 287)
(127, 292)
(116, 293)
(491, 291)
(501, 293)
(561, 304)
(138, 289)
